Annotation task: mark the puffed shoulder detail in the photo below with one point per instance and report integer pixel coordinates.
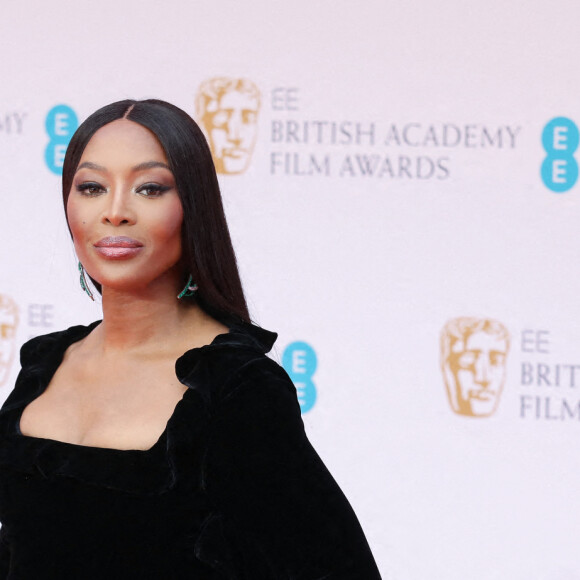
(33, 351)
(40, 357)
(208, 369)
(261, 375)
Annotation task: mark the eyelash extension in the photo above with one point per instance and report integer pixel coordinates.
(84, 187)
(155, 188)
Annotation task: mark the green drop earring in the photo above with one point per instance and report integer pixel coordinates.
(189, 290)
(84, 284)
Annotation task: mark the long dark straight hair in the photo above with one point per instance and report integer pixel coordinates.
(207, 251)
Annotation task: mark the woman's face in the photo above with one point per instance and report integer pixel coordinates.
(124, 211)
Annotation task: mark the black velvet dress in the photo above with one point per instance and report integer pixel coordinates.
(231, 489)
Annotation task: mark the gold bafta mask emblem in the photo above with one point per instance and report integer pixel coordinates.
(227, 109)
(8, 325)
(473, 362)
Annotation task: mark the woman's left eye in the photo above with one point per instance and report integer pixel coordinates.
(152, 189)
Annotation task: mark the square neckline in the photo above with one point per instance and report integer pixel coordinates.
(49, 376)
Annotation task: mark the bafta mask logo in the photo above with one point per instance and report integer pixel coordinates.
(228, 112)
(473, 361)
(8, 325)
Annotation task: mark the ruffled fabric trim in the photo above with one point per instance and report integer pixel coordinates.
(152, 471)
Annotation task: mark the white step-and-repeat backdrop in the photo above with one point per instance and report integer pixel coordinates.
(400, 181)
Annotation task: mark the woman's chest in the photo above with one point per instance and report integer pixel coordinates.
(119, 406)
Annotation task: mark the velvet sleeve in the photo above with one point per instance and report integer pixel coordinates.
(262, 472)
(4, 555)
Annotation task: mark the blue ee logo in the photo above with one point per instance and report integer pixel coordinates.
(560, 140)
(61, 123)
(299, 361)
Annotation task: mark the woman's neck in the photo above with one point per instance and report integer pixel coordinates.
(147, 324)
(130, 321)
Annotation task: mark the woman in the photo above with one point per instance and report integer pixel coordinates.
(122, 457)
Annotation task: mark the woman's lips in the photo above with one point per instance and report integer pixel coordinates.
(118, 247)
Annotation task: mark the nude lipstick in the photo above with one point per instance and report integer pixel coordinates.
(118, 247)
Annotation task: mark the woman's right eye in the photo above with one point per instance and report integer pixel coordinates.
(90, 188)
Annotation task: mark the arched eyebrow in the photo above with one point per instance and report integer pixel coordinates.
(90, 165)
(140, 167)
(150, 165)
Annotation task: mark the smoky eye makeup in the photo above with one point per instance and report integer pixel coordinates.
(152, 189)
(149, 189)
(90, 188)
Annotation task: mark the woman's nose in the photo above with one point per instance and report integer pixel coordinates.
(119, 209)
